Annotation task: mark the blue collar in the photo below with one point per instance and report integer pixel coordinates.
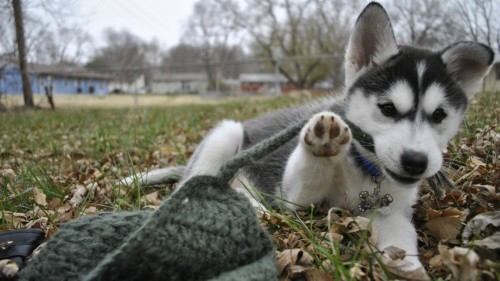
(366, 164)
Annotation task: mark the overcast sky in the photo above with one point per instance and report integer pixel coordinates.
(148, 19)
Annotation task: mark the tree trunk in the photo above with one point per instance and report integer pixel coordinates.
(21, 48)
(50, 96)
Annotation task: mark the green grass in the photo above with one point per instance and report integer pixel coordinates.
(56, 151)
(60, 151)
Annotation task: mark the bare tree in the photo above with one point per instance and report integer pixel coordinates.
(52, 35)
(426, 22)
(8, 47)
(123, 54)
(153, 52)
(67, 46)
(421, 22)
(188, 58)
(210, 29)
(296, 35)
(480, 20)
(332, 31)
(182, 58)
(235, 60)
(23, 66)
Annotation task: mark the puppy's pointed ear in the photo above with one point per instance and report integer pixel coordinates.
(468, 63)
(371, 43)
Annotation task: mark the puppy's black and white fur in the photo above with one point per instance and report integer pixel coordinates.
(401, 107)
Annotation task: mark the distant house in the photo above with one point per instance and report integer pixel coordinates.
(62, 79)
(262, 83)
(492, 80)
(178, 83)
(137, 86)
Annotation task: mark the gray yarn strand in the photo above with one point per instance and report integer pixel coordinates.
(259, 151)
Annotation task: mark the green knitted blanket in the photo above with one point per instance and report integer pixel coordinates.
(204, 231)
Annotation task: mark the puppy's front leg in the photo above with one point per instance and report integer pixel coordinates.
(309, 173)
(397, 230)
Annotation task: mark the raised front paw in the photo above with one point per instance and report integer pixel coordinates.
(326, 135)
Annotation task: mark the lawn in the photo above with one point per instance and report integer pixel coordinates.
(58, 165)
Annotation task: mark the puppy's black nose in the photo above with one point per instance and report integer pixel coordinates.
(413, 162)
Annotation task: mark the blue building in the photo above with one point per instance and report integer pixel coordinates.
(62, 79)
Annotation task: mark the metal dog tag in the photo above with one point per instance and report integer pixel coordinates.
(373, 201)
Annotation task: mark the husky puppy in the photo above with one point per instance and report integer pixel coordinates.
(370, 149)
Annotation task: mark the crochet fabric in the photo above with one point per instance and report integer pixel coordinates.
(204, 231)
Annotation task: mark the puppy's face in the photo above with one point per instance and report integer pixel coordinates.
(410, 101)
(411, 107)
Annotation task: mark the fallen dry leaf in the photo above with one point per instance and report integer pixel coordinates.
(474, 162)
(316, 274)
(327, 266)
(8, 173)
(436, 262)
(348, 224)
(63, 209)
(333, 237)
(477, 225)
(405, 270)
(445, 224)
(293, 263)
(394, 253)
(489, 247)
(444, 228)
(491, 242)
(54, 203)
(40, 197)
(298, 272)
(92, 188)
(37, 250)
(14, 220)
(356, 271)
(151, 198)
(394, 262)
(483, 232)
(78, 196)
(357, 224)
(97, 174)
(90, 210)
(9, 268)
(43, 224)
(462, 262)
(292, 240)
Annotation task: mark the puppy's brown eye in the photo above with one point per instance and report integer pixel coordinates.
(438, 115)
(388, 109)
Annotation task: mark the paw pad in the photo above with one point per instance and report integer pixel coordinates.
(326, 134)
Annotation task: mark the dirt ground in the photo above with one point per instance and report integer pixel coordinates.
(113, 101)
